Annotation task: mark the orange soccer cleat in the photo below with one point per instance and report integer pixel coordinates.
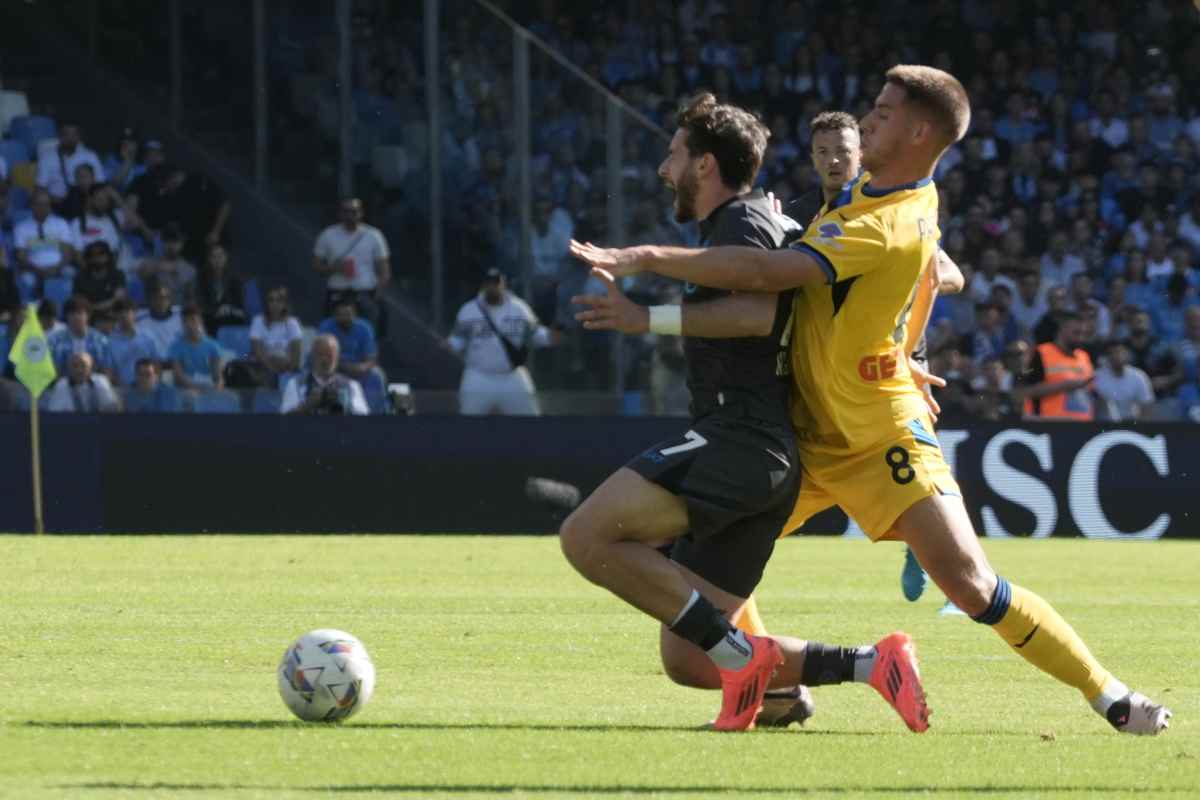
(742, 690)
(897, 678)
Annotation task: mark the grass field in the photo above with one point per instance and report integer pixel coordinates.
(144, 667)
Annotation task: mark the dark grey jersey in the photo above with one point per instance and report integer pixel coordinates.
(750, 368)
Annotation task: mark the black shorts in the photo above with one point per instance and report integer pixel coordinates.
(739, 481)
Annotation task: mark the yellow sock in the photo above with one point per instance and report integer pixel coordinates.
(1043, 638)
(748, 619)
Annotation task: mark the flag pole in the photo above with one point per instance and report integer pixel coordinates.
(38, 522)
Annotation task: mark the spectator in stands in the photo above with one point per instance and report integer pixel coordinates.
(1029, 303)
(1059, 263)
(56, 167)
(10, 295)
(13, 396)
(552, 232)
(100, 282)
(80, 390)
(171, 270)
(1184, 351)
(203, 215)
(276, 341)
(358, 354)
(160, 321)
(494, 332)
(148, 394)
(195, 357)
(1168, 312)
(72, 207)
(44, 245)
(128, 344)
(47, 313)
(122, 167)
(219, 292)
(101, 220)
(1058, 381)
(1123, 391)
(79, 337)
(1082, 299)
(155, 197)
(1189, 398)
(355, 257)
(1189, 222)
(323, 389)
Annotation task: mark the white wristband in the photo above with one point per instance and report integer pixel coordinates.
(666, 320)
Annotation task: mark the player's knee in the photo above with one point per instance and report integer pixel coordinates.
(688, 670)
(577, 542)
(972, 592)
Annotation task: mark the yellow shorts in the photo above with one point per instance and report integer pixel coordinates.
(875, 485)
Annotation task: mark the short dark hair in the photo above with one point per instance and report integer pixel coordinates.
(77, 303)
(735, 137)
(832, 121)
(939, 94)
(1063, 317)
(142, 362)
(47, 308)
(120, 306)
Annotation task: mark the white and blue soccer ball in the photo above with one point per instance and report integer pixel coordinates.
(326, 676)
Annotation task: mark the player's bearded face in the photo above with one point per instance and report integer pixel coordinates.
(678, 172)
(686, 189)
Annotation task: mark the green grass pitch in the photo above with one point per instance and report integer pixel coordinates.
(144, 667)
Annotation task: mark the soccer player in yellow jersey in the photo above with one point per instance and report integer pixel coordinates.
(864, 435)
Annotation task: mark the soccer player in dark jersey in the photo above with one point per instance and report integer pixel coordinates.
(723, 490)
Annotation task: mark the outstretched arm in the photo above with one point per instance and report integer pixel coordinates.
(731, 317)
(743, 269)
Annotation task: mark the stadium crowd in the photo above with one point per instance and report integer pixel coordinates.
(128, 259)
(1076, 189)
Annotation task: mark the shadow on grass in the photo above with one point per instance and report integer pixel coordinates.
(285, 724)
(486, 789)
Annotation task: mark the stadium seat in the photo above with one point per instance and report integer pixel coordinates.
(217, 402)
(252, 298)
(267, 401)
(13, 151)
(235, 338)
(57, 290)
(135, 290)
(32, 129)
(23, 175)
(12, 105)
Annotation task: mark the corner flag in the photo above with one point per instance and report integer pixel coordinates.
(31, 356)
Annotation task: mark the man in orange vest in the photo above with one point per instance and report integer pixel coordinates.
(1057, 385)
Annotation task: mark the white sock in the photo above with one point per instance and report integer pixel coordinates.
(1113, 691)
(732, 652)
(691, 601)
(864, 663)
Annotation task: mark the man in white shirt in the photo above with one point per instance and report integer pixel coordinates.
(1123, 389)
(56, 167)
(491, 382)
(161, 322)
(82, 391)
(100, 221)
(1058, 263)
(1029, 303)
(44, 244)
(355, 257)
(1106, 124)
(322, 389)
(989, 276)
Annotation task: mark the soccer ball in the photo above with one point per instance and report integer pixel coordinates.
(326, 676)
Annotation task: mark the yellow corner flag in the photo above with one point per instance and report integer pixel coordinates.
(30, 356)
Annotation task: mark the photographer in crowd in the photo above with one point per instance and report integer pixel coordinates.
(322, 389)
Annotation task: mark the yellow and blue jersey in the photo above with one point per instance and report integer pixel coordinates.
(852, 384)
